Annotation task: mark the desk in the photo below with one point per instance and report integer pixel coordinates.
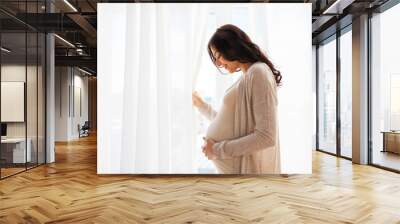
(13, 150)
(391, 141)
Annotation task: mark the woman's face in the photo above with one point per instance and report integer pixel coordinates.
(220, 61)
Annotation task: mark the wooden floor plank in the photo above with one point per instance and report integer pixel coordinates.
(70, 191)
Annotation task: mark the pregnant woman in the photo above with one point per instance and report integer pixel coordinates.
(243, 136)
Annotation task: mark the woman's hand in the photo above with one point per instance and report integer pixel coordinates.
(208, 148)
(197, 100)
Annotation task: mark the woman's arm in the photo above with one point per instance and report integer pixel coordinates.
(206, 110)
(264, 108)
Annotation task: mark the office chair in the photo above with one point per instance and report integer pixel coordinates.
(84, 130)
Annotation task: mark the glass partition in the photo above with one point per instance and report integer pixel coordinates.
(14, 153)
(22, 77)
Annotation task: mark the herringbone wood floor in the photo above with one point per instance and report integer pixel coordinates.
(69, 191)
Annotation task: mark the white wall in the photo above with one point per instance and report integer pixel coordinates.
(80, 83)
(12, 73)
(67, 116)
(61, 103)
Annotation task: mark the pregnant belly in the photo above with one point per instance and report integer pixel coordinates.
(220, 130)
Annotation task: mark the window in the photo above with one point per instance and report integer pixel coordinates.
(385, 87)
(394, 102)
(346, 94)
(327, 97)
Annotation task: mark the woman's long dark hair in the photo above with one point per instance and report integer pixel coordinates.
(235, 45)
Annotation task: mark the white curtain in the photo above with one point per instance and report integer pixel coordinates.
(152, 56)
(156, 52)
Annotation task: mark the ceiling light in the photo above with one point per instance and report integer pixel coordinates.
(79, 51)
(64, 40)
(70, 5)
(5, 50)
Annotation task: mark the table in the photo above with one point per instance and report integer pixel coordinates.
(13, 150)
(391, 141)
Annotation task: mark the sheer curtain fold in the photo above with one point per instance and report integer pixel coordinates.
(130, 87)
(198, 38)
(160, 70)
(164, 91)
(198, 43)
